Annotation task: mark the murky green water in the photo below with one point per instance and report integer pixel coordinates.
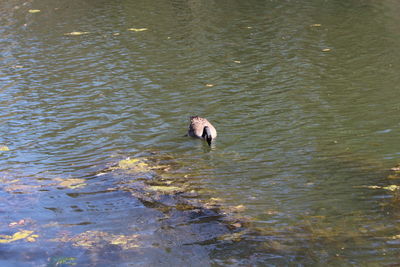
(304, 95)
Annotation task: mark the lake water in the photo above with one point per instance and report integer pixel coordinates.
(304, 95)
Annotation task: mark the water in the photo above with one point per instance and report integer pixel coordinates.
(304, 95)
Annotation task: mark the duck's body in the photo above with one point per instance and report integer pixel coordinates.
(202, 128)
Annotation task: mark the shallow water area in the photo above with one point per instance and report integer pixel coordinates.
(95, 98)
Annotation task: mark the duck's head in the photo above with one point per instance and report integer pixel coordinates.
(207, 135)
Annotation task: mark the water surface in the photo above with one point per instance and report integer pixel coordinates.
(304, 95)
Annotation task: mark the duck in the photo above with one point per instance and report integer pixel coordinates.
(201, 128)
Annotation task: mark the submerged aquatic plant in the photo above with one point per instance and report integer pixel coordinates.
(95, 239)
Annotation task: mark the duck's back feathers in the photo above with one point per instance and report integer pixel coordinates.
(196, 127)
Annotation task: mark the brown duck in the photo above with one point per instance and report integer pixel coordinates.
(202, 128)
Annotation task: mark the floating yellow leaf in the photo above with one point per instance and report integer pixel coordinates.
(20, 222)
(316, 25)
(397, 168)
(326, 50)
(209, 85)
(17, 236)
(4, 148)
(32, 238)
(75, 33)
(34, 10)
(22, 234)
(373, 186)
(137, 29)
(395, 237)
(392, 187)
(237, 61)
(271, 212)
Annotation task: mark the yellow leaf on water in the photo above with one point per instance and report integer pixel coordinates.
(4, 148)
(75, 33)
(316, 25)
(22, 234)
(34, 10)
(17, 236)
(392, 187)
(373, 186)
(396, 169)
(209, 85)
(32, 238)
(326, 50)
(395, 237)
(237, 225)
(20, 222)
(137, 29)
